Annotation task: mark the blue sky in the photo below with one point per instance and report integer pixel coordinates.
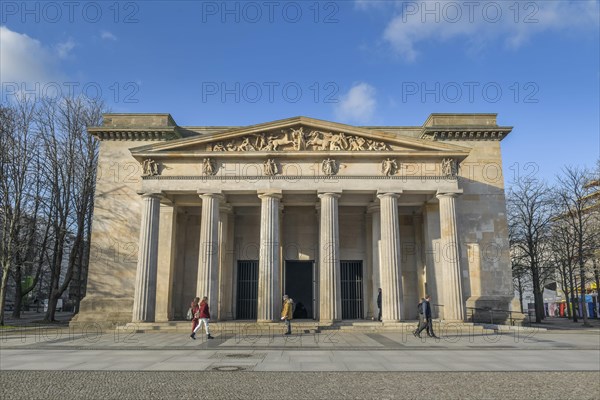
(536, 64)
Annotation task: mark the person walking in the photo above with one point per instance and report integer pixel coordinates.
(425, 319)
(379, 304)
(204, 318)
(286, 314)
(195, 311)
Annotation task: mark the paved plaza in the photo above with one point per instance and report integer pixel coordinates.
(61, 362)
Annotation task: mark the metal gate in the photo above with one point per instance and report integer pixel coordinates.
(247, 289)
(352, 289)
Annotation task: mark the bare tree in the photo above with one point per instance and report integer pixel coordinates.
(70, 163)
(19, 197)
(520, 279)
(529, 212)
(563, 248)
(576, 212)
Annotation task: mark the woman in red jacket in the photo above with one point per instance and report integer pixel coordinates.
(204, 318)
(195, 316)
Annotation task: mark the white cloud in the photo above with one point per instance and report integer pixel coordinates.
(367, 4)
(106, 35)
(64, 48)
(24, 59)
(358, 105)
(479, 25)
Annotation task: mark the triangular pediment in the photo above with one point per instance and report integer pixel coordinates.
(299, 134)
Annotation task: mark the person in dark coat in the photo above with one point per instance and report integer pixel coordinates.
(379, 304)
(425, 319)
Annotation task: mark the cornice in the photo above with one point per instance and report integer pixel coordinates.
(419, 155)
(437, 133)
(297, 177)
(135, 134)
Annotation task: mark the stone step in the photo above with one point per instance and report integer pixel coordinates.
(241, 327)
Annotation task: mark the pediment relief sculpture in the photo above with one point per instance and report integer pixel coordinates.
(329, 167)
(270, 167)
(389, 167)
(149, 167)
(449, 167)
(297, 139)
(209, 167)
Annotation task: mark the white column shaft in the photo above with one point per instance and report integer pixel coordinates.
(208, 259)
(144, 300)
(167, 237)
(330, 297)
(268, 265)
(375, 240)
(453, 301)
(390, 269)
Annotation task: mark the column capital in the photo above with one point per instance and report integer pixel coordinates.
(448, 193)
(157, 195)
(373, 207)
(276, 194)
(226, 208)
(212, 195)
(322, 195)
(395, 194)
(166, 202)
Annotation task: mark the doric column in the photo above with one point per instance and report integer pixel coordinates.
(144, 299)
(330, 297)
(268, 264)
(208, 259)
(390, 270)
(225, 262)
(418, 240)
(452, 291)
(166, 261)
(375, 212)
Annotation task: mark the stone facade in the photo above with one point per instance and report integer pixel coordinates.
(325, 212)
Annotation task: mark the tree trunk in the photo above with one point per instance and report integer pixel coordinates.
(597, 277)
(538, 297)
(520, 288)
(18, 293)
(573, 297)
(567, 294)
(55, 274)
(3, 291)
(583, 303)
(52, 301)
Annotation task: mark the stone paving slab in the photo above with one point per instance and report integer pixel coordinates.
(345, 385)
(413, 360)
(550, 350)
(56, 339)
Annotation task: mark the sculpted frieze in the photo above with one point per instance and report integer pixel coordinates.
(298, 139)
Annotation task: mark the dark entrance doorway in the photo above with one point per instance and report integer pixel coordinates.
(247, 289)
(352, 289)
(299, 284)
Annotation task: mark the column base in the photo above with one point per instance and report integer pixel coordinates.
(163, 318)
(106, 312)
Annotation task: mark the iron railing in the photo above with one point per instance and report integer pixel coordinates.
(352, 289)
(247, 289)
(493, 315)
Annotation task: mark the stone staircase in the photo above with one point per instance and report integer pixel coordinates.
(306, 326)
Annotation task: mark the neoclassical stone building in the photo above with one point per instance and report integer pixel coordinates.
(325, 212)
